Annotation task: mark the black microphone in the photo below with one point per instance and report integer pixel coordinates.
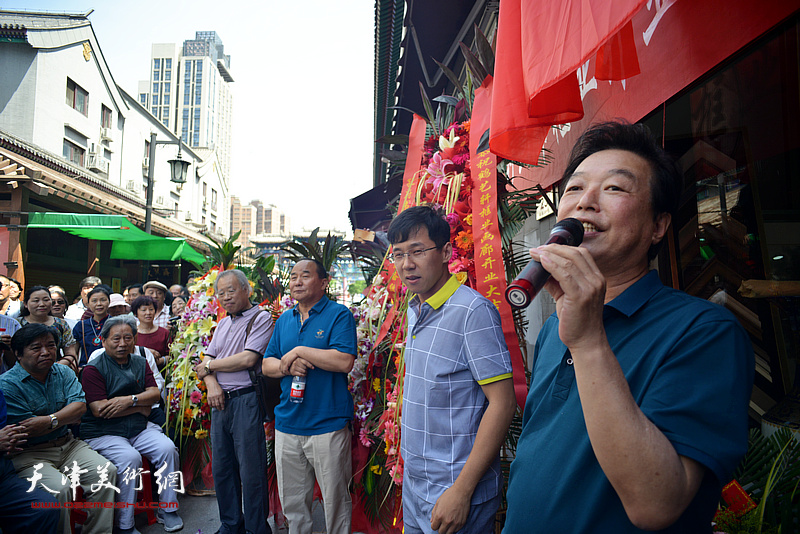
(521, 292)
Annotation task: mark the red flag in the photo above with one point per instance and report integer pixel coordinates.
(540, 46)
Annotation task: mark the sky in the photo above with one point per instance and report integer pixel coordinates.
(303, 89)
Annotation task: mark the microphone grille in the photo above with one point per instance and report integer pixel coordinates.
(573, 226)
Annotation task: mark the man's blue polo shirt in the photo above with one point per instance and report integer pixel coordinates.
(26, 397)
(689, 365)
(328, 404)
(455, 344)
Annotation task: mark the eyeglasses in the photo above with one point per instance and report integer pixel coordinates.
(399, 257)
(60, 302)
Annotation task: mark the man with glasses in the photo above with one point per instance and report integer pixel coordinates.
(458, 396)
(76, 311)
(239, 462)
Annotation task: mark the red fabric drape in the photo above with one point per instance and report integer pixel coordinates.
(540, 46)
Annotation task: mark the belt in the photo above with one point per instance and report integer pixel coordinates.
(58, 442)
(237, 392)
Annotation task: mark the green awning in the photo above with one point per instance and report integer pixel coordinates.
(129, 242)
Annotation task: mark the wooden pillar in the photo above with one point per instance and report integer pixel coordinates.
(15, 265)
(94, 261)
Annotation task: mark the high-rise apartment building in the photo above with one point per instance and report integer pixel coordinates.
(189, 91)
(257, 219)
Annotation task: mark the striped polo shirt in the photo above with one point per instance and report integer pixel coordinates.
(454, 345)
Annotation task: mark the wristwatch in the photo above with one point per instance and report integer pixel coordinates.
(135, 400)
(53, 420)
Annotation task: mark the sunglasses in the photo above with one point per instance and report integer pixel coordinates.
(61, 302)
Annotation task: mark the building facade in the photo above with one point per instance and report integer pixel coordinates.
(189, 91)
(82, 144)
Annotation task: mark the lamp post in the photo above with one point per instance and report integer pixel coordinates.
(178, 169)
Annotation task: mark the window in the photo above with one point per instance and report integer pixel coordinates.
(168, 63)
(155, 101)
(155, 88)
(147, 149)
(166, 100)
(167, 88)
(77, 97)
(74, 153)
(168, 75)
(213, 199)
(143, 99)
(165, 119)
(205, 190)
(156, 63)
(156, 75)
(105, 117)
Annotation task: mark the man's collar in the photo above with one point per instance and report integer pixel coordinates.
(244, 312)
(633, 298)
(24, 374)
(438, 299)
(316, 308)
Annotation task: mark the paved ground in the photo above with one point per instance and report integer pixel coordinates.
(201, 516)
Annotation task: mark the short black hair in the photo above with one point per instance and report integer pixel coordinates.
(14, 281)
(99, 289)
(666, 183)
(29, 333)
(410, 220)
(322, 272)
(90, 281)
(24, 310)
(144, 300)
(136, 286)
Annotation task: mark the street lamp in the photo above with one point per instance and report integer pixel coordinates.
(178, 168)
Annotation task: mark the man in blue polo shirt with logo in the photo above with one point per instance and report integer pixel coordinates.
(317, 340)
(458, 396)
(638, 407)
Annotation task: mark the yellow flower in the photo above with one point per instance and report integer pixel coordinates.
(376, 384)
(201, 434)
(376, 469)
(186, 431)
(204, 326)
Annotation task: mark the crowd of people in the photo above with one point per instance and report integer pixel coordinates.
(636, 416)
(81, 390)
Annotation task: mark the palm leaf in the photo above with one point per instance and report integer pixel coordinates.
(426, 103)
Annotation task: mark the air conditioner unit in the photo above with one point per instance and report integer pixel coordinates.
(105, 134)
(132, 186)
(188, 216)
(97, 162)
(160, 200)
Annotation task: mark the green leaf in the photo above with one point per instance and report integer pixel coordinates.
(456, 83)
(483, 144)
(447, 99)
(428, 108)
(484, 50)
(473, 63)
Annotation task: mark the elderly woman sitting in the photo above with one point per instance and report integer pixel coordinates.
(120, 389)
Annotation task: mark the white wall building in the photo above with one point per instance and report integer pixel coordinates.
(58, 94)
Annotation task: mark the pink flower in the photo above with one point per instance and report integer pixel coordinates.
(195, 397)
(363, 437)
